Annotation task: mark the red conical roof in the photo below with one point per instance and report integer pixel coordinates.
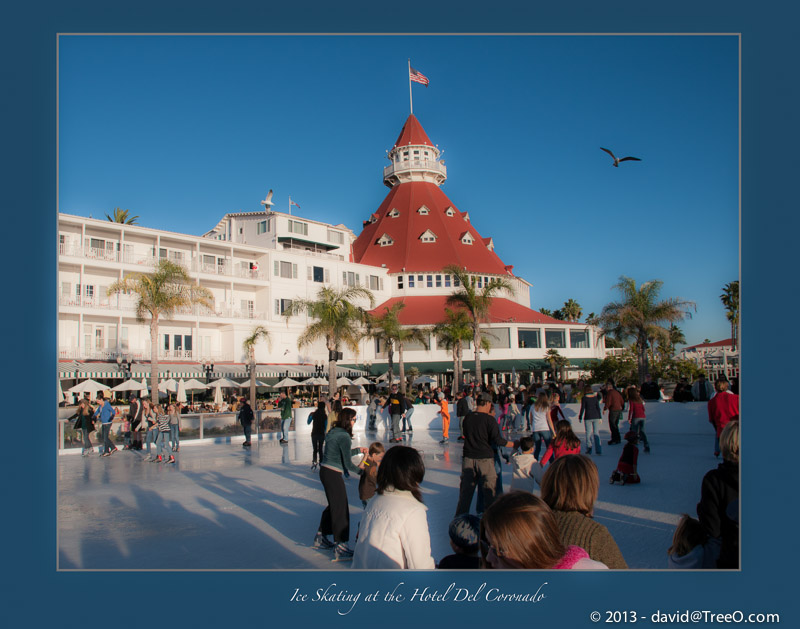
(412, 133)
(408, 251)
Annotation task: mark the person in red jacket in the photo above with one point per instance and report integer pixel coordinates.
(722, 409)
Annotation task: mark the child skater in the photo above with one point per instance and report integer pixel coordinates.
(525, 473)
(464, 533)
(368, 482)
(636, 415)
(688, 550)
(444, 410)
(565, 442)
(626, 474)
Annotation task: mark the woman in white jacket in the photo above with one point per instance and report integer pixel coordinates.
(394, 530)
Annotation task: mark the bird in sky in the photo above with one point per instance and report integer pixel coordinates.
(618, 160)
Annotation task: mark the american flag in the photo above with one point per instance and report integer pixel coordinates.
(418, 77)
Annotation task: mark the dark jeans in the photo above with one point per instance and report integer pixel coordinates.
(613, 425)
(106, 438)
(498, 484)
(336, 516)
(317, 441)
(248, 430)
(87, 443)
(539, 437)
(638, 427)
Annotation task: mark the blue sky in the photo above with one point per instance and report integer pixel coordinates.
(181, 129)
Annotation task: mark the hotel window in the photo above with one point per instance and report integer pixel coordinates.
(124, 341)
(400, 281)
(438, 281)
(335, 237)
(386, 241)
(285, 269)
(99, 342)
(411, 281)
(281, 305)
(376, 282)
(87, 336)
(467, 239)
(187, 342)
(248, 308)
(429, 282)
(318, 274)
(66, 287)
(428, 236)
(112, 337)
(480, 282)
(166, 342)
(261, 228)
(416, 155)
(177, 342)
(456, 282)
(393, 213)
(447, 281)
(296, 227)
(350, 279)
(485, 281)
(423, 211)
(528, 338)
(555, 338)
(89, 291)
(579, 339)
(450, 211)
(405, 156)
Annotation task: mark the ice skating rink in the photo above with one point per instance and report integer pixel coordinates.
(224, 507)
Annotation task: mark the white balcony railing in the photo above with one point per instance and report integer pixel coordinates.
(109, 354)
(429, 164)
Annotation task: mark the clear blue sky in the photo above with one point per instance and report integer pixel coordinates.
(181, 130)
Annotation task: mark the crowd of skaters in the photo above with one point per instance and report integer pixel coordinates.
(518, 528)
(514, 529)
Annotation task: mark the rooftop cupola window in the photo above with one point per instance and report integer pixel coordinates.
(450, 211)
(428, 236)
(423, 211)
(393, 213)
(466, 238)
(385, 241)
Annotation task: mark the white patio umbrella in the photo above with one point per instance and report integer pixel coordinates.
(286, 382)
(195, 385)
(60, 392)
(361, 380)
(225, 383)
(343, 381)
(181, 395)
(168, 386)
(424, 380)
(129, 385)
(218, 395)
(88, 386)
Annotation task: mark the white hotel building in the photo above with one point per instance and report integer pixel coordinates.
(254, 263)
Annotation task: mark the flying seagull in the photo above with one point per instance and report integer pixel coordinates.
(267, 203)
(616, 160)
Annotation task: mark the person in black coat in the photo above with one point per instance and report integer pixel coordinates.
(246, 420)
(720, 488)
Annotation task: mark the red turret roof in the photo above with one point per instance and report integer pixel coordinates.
(412, 133)
(429, 309)
(408, 251)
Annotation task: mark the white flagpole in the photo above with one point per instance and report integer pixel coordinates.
(410, 100)
(290, 205)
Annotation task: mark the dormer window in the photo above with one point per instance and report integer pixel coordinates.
(385, 241)
(450, 211)
(423, 211)
(394, 213)
(466, 216)
(466, 238)
(428, 236)
(490, 244)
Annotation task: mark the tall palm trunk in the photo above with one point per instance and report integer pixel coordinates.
(476, 339)
(154, 360)
(401, 369)
(253, 378)
(642, 360)
(331, 370)
(456, 366)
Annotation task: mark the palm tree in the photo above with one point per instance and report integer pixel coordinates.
(249, 345)
(159, 295)
(477, 303)
(557, 361)
(336, 319)
(387, 326)
(730, 299)
(640, 315)
(121, 216)
(676, 337)
(572, 310)
(546, 312)
(451, 334)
